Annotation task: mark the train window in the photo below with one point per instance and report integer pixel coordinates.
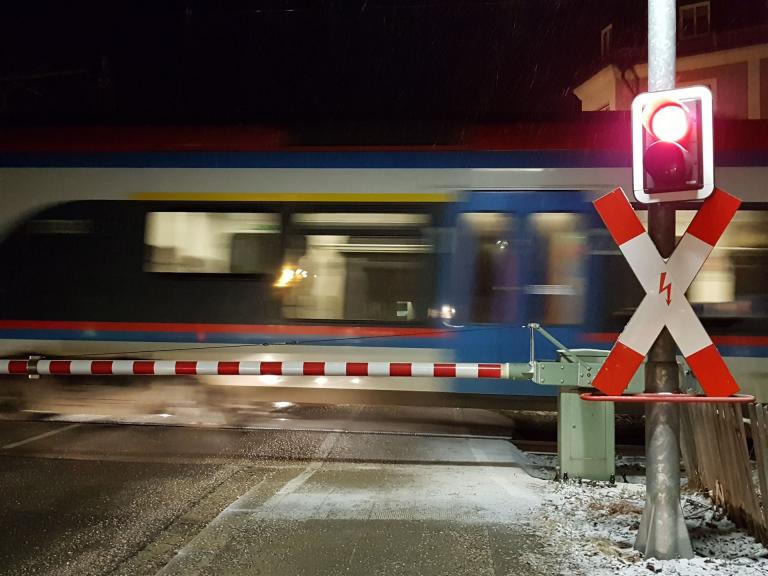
(733, 281)
(212, 242)
(557, 277)
(360, 267)
(732, 285)
(495, 281)
(614, 290)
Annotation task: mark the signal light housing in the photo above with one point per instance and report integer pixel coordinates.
(672, 150)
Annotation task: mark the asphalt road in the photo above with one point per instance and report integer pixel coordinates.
(95, 498)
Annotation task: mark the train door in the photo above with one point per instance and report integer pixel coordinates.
(520, 258)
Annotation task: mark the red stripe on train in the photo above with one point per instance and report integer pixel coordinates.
(741, 340)
(346, 331)
(599, 134)
(722, 340)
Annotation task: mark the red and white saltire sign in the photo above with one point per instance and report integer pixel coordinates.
(665, 283)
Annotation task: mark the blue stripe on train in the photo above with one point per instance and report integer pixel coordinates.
(750, 351)
(405, 159)
(221, 338)
(453, 159)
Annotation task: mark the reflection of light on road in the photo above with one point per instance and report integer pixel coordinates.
(282, 404)
(321, 381)
(269, 379)
(355, 380)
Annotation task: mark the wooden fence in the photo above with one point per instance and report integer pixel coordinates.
(716, 454)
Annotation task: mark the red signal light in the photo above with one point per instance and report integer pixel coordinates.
(670, 122)
(672, 145)
(666, 162)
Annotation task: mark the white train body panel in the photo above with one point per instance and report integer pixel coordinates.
(25, 191)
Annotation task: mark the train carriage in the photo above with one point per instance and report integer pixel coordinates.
(238, 244)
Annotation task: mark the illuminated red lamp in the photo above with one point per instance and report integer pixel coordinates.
(667, 119)
(672, 145)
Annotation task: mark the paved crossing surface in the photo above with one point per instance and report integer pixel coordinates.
(93, 498)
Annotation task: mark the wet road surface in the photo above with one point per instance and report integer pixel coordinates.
(94, 498)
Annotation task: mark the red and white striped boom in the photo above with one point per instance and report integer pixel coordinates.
(213, 368)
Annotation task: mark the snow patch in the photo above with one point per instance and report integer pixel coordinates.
(593, 525)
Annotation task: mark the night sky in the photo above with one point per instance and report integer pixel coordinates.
(378, 69)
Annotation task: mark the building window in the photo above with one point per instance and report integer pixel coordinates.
(605, 40)
(694, 20)
(710, 83)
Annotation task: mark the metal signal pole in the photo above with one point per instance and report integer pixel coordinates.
(662, 533)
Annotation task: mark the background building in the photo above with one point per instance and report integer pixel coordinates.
(720, 44)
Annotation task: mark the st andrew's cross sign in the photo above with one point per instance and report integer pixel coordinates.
(665, 283)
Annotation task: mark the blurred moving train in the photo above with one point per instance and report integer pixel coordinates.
(233, 243)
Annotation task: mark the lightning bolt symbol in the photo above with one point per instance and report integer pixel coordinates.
(668, 287)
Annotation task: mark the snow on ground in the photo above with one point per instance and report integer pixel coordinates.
(628, 468)
(594, 524)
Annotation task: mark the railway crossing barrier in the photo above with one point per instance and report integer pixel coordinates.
(586, 439)
(586, 420)
(255, 368)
